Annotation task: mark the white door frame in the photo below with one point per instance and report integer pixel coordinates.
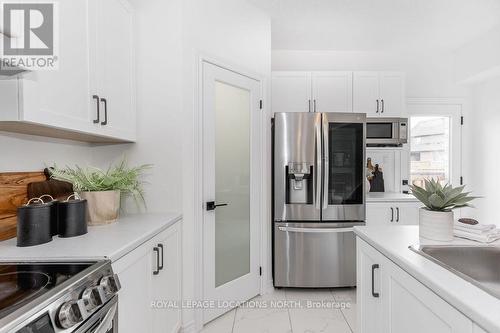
(199, 204)
(436, 102)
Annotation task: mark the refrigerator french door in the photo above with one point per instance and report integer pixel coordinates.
(319, 195)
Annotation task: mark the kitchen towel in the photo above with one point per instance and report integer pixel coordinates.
(486, 237)
(476, 229)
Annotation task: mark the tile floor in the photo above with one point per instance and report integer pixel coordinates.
(292, 310)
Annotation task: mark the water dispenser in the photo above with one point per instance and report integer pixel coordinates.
(299, 183)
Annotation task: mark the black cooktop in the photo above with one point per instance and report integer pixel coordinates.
(21, 283)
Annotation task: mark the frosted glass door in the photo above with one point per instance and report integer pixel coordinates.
(232, 182)
(232, 167)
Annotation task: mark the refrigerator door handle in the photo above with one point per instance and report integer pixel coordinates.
(326, 159)
(319, 165)
(315, 230)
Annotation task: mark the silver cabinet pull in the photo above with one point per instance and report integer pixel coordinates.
(97, 120)
(392, 214)
(383, 106)
(309, 104)
(378, 106)
(314, 105)
(397, 214)
(374, 267)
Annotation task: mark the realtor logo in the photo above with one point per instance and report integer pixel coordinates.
(30, 35)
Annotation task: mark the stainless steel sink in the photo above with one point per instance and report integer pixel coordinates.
(479, 265)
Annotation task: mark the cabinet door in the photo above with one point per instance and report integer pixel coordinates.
(379, 214)
(407, 213)
(366, 93)
(332, 91)
(411, 307)
(369, 306)
(167, 284)
(115, 69)
(135, 271)
(291, 92)
(392, 94)
(60, 98)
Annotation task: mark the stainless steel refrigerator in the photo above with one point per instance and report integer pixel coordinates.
(319, 195)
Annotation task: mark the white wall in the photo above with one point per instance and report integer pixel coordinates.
(236, 33)
(21, 152)
(484, 157)
(428, 75)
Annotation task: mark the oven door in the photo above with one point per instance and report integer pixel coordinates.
(103, 321)
(344, 181)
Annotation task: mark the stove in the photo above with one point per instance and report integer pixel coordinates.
(56, 297)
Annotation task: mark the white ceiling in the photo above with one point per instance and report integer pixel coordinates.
(374, 25)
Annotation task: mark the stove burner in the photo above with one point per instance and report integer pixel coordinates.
(21, 286)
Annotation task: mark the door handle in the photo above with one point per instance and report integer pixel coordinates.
(392, 214)
(160, 267)
(319, 165)
(378, 106)
(96, 121)
(105, 122)
(211, 205)
(157, 270)
(315, 230)
(326, 172)
(383, 106)
(397, 214)
(374, 267)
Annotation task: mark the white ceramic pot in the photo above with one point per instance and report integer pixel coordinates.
(436, 225)
(102, 206)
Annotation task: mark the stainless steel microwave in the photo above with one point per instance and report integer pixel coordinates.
(386, 132)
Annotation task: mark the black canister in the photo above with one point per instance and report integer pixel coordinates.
(72, 217)
(54, 218)
(34, 223)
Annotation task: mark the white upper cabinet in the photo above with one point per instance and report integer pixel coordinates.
(95, 59)
(366, 93)
(312, 92)
(291, 92)
(332, 91)
(379, 93)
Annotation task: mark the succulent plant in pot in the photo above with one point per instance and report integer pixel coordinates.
(103, 188)
(436, 218)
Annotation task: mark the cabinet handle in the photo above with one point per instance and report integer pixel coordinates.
(392, 214)
(374, 267)
(105, 122)
(160, 267)
(383, 106)
(96, 121)
(397, 214)
(314, 105)
(309, 103)
(378, 106)
(157, 271)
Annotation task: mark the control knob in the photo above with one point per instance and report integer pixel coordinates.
(110, 284)
(92, 298)
(69, 314)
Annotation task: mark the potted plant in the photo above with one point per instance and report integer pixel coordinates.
(103, 188)
(436, 218)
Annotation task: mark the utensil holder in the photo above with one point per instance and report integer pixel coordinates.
(34, 223)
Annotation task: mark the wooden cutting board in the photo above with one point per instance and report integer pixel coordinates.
(13, 193)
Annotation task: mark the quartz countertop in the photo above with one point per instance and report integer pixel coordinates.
(108, 241)
(389, 197)
(393, 242)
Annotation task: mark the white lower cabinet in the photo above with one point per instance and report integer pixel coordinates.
(392, 213)
(151, 285)
(390, 300)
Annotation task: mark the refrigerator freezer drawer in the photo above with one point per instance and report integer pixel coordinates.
(314, 255)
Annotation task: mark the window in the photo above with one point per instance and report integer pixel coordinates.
(430, 157)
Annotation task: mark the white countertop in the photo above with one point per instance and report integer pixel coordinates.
(473, 302)
(389, 197)
(109, 241)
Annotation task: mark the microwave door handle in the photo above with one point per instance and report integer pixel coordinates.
(326, 163)
(319, 164)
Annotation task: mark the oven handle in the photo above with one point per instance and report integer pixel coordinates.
(107, 321)
(315, 230)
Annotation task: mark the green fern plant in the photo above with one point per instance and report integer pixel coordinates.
(442, 198)
(127, 180)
